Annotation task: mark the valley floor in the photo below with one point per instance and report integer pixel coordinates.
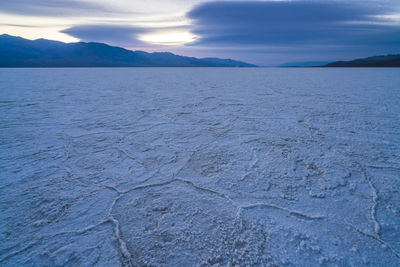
(191, 167)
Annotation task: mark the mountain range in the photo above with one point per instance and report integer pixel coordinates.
(376, 61)
(20, 52)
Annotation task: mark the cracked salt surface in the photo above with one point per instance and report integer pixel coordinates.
(192, 167)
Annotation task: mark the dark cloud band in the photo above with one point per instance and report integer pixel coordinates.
(291, 23)
(121, 35)
(112, 34)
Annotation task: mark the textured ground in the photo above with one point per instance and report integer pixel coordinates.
(180, 167)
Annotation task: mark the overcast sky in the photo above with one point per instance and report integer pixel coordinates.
(260, 32)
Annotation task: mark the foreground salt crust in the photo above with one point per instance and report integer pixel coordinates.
(182, 167)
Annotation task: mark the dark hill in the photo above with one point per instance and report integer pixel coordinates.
(377, 61)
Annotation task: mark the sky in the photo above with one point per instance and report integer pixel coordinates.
(261, 32)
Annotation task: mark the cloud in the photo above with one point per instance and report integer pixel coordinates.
(125, 35)
(295, 23)
(50, 7)
(122, 35)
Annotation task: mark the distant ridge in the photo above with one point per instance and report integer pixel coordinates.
(303, 64)
(20, 52)
(376, 61)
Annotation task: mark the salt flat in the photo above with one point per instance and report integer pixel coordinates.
(191, 167)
